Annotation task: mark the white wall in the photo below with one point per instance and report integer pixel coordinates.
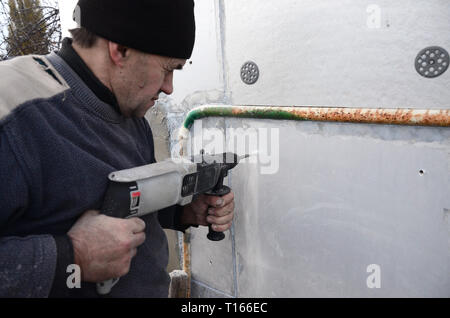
(346, 196)
(323, 53)
(66, 8)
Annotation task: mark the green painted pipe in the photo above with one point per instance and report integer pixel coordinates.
(400, 116)
(239, 112)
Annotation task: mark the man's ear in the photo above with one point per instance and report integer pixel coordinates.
(118, 53)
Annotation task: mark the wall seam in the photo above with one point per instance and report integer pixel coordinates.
(204, 285)
(222, 43)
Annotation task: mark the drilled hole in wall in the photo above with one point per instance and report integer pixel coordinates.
(421, 172)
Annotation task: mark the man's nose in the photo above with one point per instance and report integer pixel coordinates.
(167, 87)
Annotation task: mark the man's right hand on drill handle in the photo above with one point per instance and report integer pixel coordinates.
(104, 246)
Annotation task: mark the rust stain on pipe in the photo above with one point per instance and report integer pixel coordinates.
(187, 261)
(350, 115)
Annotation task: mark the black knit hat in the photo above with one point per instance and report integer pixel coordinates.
(161, 27)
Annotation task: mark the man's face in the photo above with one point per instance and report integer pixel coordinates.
(139, 82)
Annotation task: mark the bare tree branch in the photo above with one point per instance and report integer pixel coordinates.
(34, 28)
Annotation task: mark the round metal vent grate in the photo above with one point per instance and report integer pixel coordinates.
(432, 61)
(249, 73)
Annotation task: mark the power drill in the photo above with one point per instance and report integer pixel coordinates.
(142, 190)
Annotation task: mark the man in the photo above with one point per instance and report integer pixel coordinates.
(69, 119)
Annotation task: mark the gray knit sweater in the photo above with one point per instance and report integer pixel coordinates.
(58, 143)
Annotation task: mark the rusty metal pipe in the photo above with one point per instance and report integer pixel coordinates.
(398, 116)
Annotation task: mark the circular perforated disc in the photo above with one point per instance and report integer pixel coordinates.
(432, 61)
(249, 73)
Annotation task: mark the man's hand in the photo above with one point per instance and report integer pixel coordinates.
(205, 210)
(104, 246)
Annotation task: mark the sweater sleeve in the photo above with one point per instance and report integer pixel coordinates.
(27, 264)
(169, 218)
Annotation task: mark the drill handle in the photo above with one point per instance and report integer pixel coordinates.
(213, 235)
